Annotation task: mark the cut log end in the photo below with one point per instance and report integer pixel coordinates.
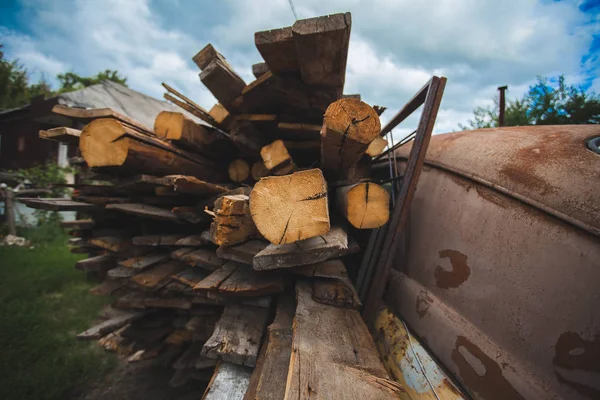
(277, 159)
(353, 119)
(376, 147)
(259, 170)
(290, 208)
(169, 125)
(107, 149)
(239, 170)
(365, 205)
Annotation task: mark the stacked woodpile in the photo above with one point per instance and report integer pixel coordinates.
(223, 237)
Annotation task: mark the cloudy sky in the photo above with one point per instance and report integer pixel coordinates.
(395, 47)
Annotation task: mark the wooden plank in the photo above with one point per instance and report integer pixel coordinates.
(180, 303)
(268, 379)
(326, 269)
(237, 335)
(57, 204)
(242, 253)
(245, 282)
(191, 215)
(336, 292)
(203, 258)
(157, 240)
(229, 381)
(196, 109)
(96, 264)
(259, 69)
(220, 79)
(141, 263)
(146, 211)
(157, 276)
(195, 186)
(257, 117)
(94, 113)
(194, 240)
(333, 244)
(112, 243)
(206, 55)
(120, 273)
(191, 276)
(221, 115)
(298, 131)
(322, 48)
(215, 279)
(333, 354)
(107, 288)
(110, 325)
(277, 48)
(61, 134)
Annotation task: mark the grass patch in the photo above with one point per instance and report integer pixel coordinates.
(44, 302)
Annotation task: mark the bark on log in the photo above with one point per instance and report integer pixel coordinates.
(365, 205)
(289, 208)
(349, 126)
(109, 143)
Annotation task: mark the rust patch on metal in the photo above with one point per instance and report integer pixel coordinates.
(465, 183)
(492, 384)
(491, 196)
(460, 270)
(423, 303)
(573, 352)
(526, 177)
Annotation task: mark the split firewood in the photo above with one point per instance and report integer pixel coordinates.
(237, 335)
(259, 170)
(278, 50)
(238, 170)
(376, 147)
(193, 136)
(277, 159)
(259, 69)
(289, 208)
(110, 143)
(232, 221)
(330, 245)
(349, 126)
(322, 48)
(365, 205)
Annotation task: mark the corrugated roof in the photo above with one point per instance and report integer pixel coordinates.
(108, 94)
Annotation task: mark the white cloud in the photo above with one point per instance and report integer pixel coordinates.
(396, 45)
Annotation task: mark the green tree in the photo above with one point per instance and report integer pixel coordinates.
(543, 104)
(70, 81)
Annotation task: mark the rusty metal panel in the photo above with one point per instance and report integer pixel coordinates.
(549, 167)
(409, 363)
(505, 295)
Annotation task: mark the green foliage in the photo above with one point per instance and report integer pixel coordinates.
(44, 302)
(543, 104)
(71, 81)
(16, 90)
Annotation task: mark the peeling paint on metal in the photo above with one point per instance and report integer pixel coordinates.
(572, 352)
(460, 270)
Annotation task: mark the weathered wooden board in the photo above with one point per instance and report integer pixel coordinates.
(144, 210)
(235, 279)
(62, 134)
(242, 253)
(325, 269)
(112, 243)
(191, 214)
(215, 279)
(78, 224)
(333, 355)
(259, 69)
(194, 240)
(120, 272)
(110, 325)
(180, 303)
(229, 382)
(157, 240)
(191, 276)
(322, 48)
(278, 50)
(157, 276)
(269, 377)
(143, 262)
(203, 258)
(237, 335)
(333, 244)
(336, 292)
(98, 263)
(57, 204)
(107, 288)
